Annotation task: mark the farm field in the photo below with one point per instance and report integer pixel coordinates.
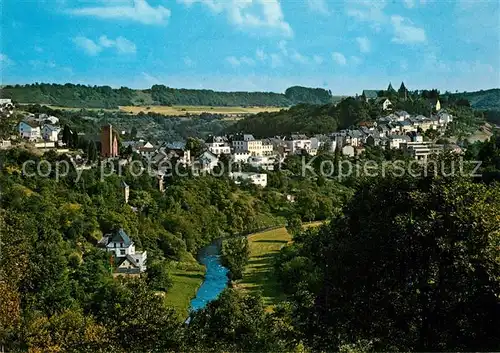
(258, 275)
(197, 110)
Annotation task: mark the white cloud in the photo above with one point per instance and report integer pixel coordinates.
(253, 15)
(189, 62)
(282, 45)
(121, 44)
(260, 54)
(364, 44)
(318, 59)
(244, 60)
(409, 3)
(87, 45)
(405, 31)
(368, 11)
(132, 10)
(339, 58)
(318, 6)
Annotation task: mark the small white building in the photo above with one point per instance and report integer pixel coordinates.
(298, 143)
(386, 104)
(246, 142)
(348, 151)
(402, 115)
(50, 132)
(218, 145)
(241, 157)
(29, 130)
(127, 259)
(396, 141)
(254, 178)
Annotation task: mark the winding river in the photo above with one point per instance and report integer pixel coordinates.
(215, 277)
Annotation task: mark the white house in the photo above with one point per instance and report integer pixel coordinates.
(50, 132)
(241, 157)
(386, 104)
(297, 143)
(29, 130)
(348, 150)
(254, 178)
(264, 162)
(218, 145)
(6, 107)
(128, 260)
(246, 142)
(395, 141)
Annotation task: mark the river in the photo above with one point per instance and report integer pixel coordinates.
(215, 277)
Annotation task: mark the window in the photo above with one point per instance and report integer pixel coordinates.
(137, 260)
(122, 252)
(121, 245)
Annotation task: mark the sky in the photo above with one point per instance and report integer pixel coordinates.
(253, 45)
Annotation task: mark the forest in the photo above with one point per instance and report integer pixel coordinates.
(403, 263)
(312, 119)
(81, 96)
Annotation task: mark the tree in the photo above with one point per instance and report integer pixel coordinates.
(66, 136)
(424, 256)
(294, 225)
(158, 276)
(234, 255)
(91, 151)
(196, 146)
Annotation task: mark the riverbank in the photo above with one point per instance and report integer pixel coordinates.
(187, 277)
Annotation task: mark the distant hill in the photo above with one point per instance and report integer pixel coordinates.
(482, 100)
(81, 96)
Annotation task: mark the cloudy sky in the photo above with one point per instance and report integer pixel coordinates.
(342, 45)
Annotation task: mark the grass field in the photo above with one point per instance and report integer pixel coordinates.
(187, 277)
(258, 275)
(197, 110)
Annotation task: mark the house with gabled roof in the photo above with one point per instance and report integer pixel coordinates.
(127, 259)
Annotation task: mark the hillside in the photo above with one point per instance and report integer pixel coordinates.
(482, 100)
(81, 96)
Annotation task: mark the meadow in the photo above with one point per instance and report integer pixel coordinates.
(197, 110)
(259, 273)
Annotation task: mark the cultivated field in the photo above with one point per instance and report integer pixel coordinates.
(197, 110)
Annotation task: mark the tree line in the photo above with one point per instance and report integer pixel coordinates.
(82, 96)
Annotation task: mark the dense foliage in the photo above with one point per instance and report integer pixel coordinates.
(410, 264)
(320, 119)
(234, 255)
(81, 96)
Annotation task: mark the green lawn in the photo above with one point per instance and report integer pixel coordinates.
(187, 277)
(259, 274)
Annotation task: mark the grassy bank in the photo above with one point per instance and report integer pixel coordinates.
(187, 277)
(259, 273)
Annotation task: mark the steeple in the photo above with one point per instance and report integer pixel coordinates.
(403, 92)
(390, 89)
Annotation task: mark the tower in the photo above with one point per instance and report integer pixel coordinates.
(109, 143)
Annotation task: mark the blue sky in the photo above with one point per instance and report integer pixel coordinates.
(256, 45)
